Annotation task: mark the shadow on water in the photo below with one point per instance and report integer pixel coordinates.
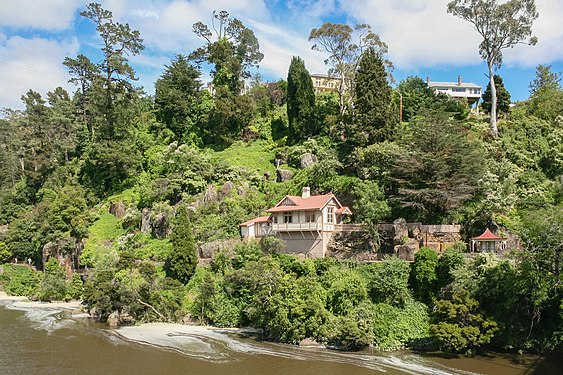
(500, 363)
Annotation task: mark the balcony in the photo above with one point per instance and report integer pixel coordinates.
(302, 227)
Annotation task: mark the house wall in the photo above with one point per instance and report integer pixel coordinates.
(311, 244)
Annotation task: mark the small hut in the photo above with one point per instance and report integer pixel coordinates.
(488, 242)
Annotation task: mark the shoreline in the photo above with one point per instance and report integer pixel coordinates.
(24, 302)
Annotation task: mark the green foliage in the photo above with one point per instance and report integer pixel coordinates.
(300, 102)
(53, 284)
(424, 274)
(452, 259)
(183, 258)
(75, 288)
(5, 253)
(389, 281)
(503, 97)
(102, 232)
(370, 206)
(414, 95)
(460, 326)
(439, 169)
(375, 114)
(19, 280)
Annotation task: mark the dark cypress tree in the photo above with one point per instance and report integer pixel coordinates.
(183, 260)
(177, 97)
(375, 117)
(300, 102)
(503, 97)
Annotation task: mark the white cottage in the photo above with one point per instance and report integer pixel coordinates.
(306, 223)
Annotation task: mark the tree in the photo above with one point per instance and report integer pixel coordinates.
(460, 326)
(390, 280)
(183, 260)
(375, 119)
(546, 94)
(113, 71)
(423, 274)
(300, 102)
(439, 167)
(415, 94)
(231, 48)
(370, 207)
(177, 98)
(503, 96)
(53, 284)
(501, 26)
(345, 45)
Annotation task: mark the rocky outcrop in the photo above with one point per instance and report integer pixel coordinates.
(146, 220)
(407, 250)
(400, 231)
(227, 188)
(283, 175)
(210, 194)
(113, 319)
(308, 160)
(209, 249)
(117, 209)
(161, 227)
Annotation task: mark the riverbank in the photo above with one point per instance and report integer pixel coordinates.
(24, 302)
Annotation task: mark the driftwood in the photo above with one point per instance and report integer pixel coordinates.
(153, 309)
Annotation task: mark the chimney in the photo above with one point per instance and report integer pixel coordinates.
(427, 80)
(306, 192)
(459, 80)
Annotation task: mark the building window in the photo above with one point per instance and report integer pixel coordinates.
(330, 215)
(275, 219)
(287, 217)
(318, 82)
(310, 217)
(331, 85)
(458, 89)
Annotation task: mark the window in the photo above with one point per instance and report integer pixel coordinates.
(287, 217)
(310, 217)
(318, 82)
(275, 219)
(331, 85)
(458, 89)
(330, 215)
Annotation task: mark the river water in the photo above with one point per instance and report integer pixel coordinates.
(42, 340)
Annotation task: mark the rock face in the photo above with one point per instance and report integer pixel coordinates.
(146, 220)
(407, 250)
(283, 175)
(307, 160)
(210, 194)
(113, 319)
(209, 249)
(227, 188)
(400, 230)
(117, 209)
(161, 226)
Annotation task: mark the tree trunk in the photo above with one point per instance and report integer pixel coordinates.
(494, 129)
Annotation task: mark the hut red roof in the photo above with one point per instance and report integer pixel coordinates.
(488, 236)
(261, 219)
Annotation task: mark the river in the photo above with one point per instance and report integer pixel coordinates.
(42, 340)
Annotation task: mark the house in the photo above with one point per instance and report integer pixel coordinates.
(463, 90)
(488, 243)
(306, 223)
(324, 83)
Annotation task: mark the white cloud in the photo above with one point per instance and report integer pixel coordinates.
(32, 64)
(423, 34)
(38, 14)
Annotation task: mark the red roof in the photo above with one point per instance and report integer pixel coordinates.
(314, 202)
(261, 219)
(344, 210)
(488, 236)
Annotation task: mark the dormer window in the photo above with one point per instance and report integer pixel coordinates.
(330, 215)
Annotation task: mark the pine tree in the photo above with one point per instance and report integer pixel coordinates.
(183, 260)
(503, 97)
(300, 102)
(375, 119)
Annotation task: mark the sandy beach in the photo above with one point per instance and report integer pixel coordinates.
(24, 302)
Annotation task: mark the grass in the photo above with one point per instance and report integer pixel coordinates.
(102, 234)
(255, 157)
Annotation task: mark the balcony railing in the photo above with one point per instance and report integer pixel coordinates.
(291, 227)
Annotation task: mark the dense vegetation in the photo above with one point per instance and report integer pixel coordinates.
(193, 164)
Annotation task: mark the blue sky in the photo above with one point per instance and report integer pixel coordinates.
(423, 39)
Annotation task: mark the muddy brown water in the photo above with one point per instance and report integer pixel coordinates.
(45, 341)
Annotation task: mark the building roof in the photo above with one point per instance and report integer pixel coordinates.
(261, 219)
(314, 202)
(453, 84)
(488, 236)
(320, 75)
(344, 210)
